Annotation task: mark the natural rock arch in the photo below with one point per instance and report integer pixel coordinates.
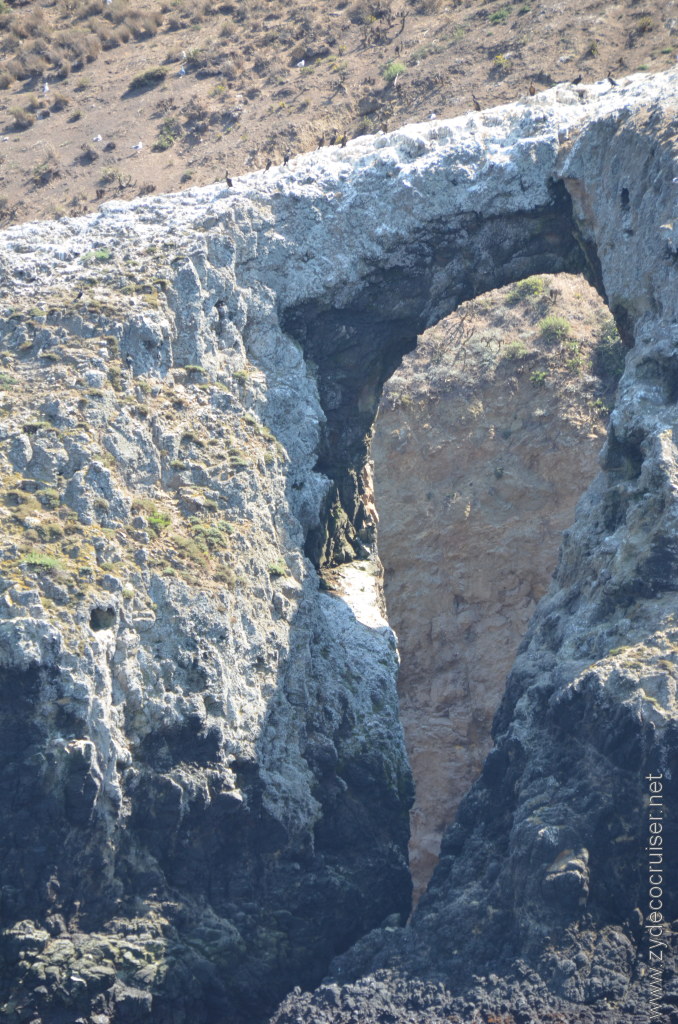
(265, 701)
(356, 346)
(517, 887)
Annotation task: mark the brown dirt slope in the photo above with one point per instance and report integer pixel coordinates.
(211, 88)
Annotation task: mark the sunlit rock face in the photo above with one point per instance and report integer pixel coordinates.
(205, 789)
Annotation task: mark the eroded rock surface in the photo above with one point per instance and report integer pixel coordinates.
(204, 785)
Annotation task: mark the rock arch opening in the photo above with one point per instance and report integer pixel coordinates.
(486, 437)
(355, 346)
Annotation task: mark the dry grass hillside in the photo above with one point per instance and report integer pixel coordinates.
(105, 98)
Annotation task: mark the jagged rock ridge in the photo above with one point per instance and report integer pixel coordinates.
(205, 792)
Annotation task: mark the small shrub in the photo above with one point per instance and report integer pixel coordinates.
(49, 498)
(500, 16)
(39, 560)
(523, 291)
(538, 378)
(393, 69)
(608, 354)
(88, 154)
(501, 64)
(147, 79)
(554, 329)
(158, 521)
(575, 361)
(59, 102)
(102, 255)
(22, 118)
(516, 350)
(277, 569)
(169, 132)
(48, 169)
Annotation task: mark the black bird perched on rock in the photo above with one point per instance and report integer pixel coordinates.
(229, 181)
(268, 164)
(532, 90)
(333, 139)
(286, 159)
(476, 101)
(612, 81)
(342, 141)
(321, 142)
(577, 80)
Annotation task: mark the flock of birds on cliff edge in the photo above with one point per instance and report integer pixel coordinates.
(335, 139)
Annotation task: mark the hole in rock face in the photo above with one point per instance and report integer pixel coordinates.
(101, 618)
(486, 438)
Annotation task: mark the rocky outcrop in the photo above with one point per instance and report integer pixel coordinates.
(205, 793)
(545, 905)
(484, 441)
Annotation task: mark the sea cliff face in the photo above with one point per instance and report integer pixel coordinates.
(205, 789)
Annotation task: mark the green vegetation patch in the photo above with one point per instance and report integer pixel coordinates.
(158, 521)
(554, 329)
(393, 69)
(39, 560)
(500, 16)
(101, 255)
(529, 289)
(608, 353)
(170, 131)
